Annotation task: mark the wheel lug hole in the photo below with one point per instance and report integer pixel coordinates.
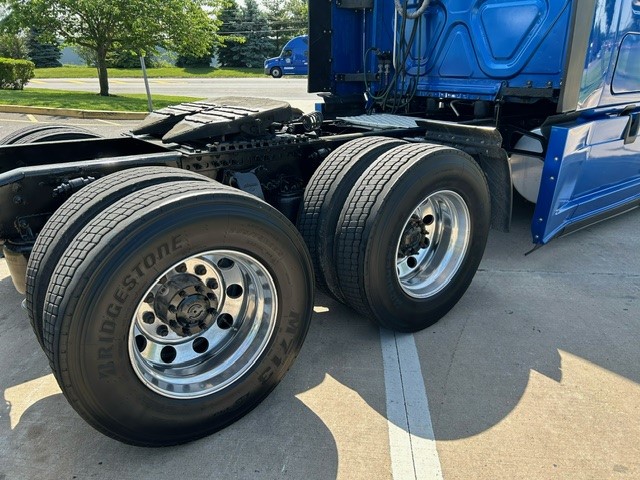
(428, 219)
(225, 321)
(150, 298)
(141, 343)
(412, 262)
(212, 283)
(200, 345)
(163, 331)
(148, 318)
(226, 263)
(200, 270)
(182, 268)
(234, 291)
(168, 354)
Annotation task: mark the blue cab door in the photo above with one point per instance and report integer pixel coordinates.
(592, 167)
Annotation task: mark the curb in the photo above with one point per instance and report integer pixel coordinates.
(74, 113)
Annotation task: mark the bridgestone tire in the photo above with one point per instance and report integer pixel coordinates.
(110, 270)
(68, 220)
(47, 133)
(378, 214)
(324, 198)
(276, 72)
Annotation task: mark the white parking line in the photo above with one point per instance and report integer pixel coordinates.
(32, 119)
(107, 122)
(411, 438)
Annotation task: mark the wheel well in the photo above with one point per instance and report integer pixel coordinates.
(485, 146)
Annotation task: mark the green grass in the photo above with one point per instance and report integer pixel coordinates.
(86, 100)
(165, 72)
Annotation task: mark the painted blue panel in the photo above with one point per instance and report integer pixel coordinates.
(517, 20)
(488, 44)
(458, 61)
(588, 171)
(484, 42)
(550, 57)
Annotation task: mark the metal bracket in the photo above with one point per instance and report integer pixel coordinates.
(357, 77)
(355, 4)
(248, 182)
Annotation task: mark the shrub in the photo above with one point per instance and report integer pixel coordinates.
(14, 74)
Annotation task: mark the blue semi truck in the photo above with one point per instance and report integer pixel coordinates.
(293, 60)
(169, 274)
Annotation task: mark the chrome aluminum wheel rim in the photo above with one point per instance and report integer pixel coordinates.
(433, 245)
(203, 324)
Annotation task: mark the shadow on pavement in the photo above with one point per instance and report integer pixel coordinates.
(576, 296)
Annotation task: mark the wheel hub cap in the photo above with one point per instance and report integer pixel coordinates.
(185, 304)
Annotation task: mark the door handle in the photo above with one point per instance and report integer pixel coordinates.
(633, 127)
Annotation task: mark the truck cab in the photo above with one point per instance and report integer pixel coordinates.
(294, 59)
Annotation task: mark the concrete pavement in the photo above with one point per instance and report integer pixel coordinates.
(534, 374)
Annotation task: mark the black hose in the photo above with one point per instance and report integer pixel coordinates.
(402, 9)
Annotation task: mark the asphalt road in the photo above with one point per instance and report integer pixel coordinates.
(293, 90)
(534, 374)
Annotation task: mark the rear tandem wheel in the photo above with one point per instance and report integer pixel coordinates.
(47, 133)
(176, 311)
(412, 234)
(324, 198)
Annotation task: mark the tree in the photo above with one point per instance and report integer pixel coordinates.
(43, 54)
(287, 19)
(245, 35)
(13, 46)
(255, 26)
(107, 26)
(231, 39)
